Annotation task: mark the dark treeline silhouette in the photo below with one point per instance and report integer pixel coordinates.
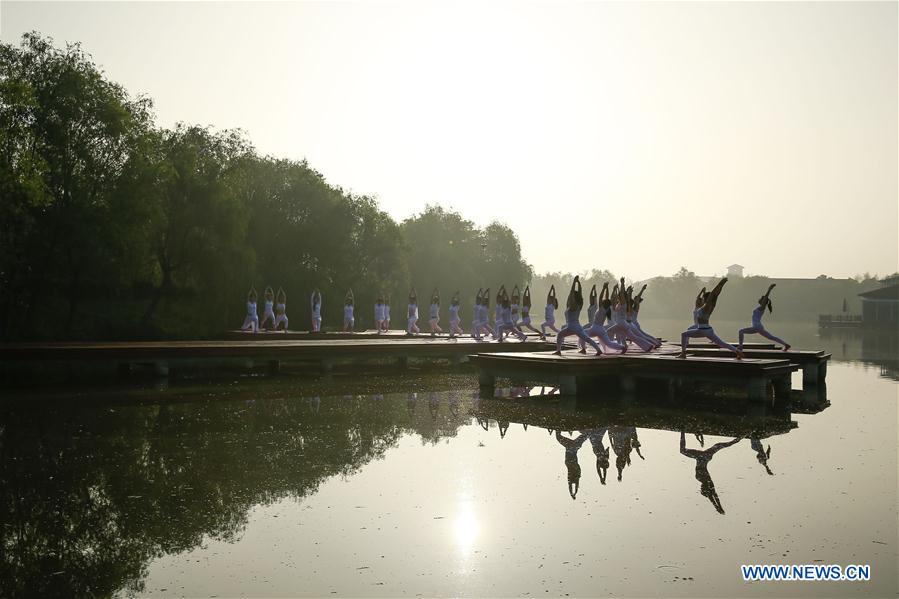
(112, 227)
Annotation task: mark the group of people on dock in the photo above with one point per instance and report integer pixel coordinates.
(612, 317)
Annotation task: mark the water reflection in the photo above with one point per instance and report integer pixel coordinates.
(92, 494)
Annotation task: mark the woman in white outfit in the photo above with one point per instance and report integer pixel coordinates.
(412, 314)
(549, 313)
(386, 313)
(281, 309)
(598, 330)
(379, 314)
(574, 305)
(702, 328)
(455, 328)
(434, 313)
(316, 303)
(349, 320)
(526, 313)
(268, 312)
(620, 329)
(251, 322)
(757, 327)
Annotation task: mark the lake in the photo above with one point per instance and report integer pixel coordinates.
(417, 485)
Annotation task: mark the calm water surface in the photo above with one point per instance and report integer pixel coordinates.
(415, 484)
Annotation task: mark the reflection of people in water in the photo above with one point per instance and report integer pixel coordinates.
(315, 404)
(503, 427)
(601, 451)
(453, 403)
(574, 469)
(410, 403)
(760, 453)
(706, 486)
(623, 440)
(433, 404)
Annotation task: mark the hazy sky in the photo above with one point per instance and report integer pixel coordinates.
(629, 136)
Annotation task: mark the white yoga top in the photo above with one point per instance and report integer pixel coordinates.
(757, 317)
(251, 309)
(435, 311)
(348, 312)
(549, 312)
(454, 312)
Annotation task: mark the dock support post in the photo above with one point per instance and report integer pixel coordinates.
(758, 389)
(327, 365)
(782, 388)
(810, 375)
(402, 362)
(822, 372)
(274, 366)
(568, 384)
(486, 379)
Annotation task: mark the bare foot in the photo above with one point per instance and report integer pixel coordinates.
(557, 353)
(598, 353)
(583, 351)
(787, 347)
(739, 355)
(682, 355)
(624, 351)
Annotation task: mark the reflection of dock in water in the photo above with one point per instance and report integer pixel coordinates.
(741, 420)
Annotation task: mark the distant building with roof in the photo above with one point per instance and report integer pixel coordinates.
(880, 307)
(735, 270)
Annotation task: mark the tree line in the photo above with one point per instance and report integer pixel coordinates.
(114, 227)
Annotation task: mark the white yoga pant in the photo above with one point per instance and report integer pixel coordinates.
(481, 327)
(510, 328)
(708, 333)
(316, 323)
(763, 332)
(599, 331)
(412, 327)
(455, 329)
(279, 319)
(624, 331)
(434, 324)
(572, 330)
(526, 323)
(349, 323)
(250, 323)
(551, 324)
(265, 316)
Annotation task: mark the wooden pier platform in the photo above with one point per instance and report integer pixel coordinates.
(812, 362)
(270, 350)
(575, 373)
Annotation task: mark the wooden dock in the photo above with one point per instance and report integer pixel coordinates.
(578, 374)
(271, 350)
(812, 362)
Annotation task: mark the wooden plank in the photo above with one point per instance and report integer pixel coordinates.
(257, 349)
(794, 356)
